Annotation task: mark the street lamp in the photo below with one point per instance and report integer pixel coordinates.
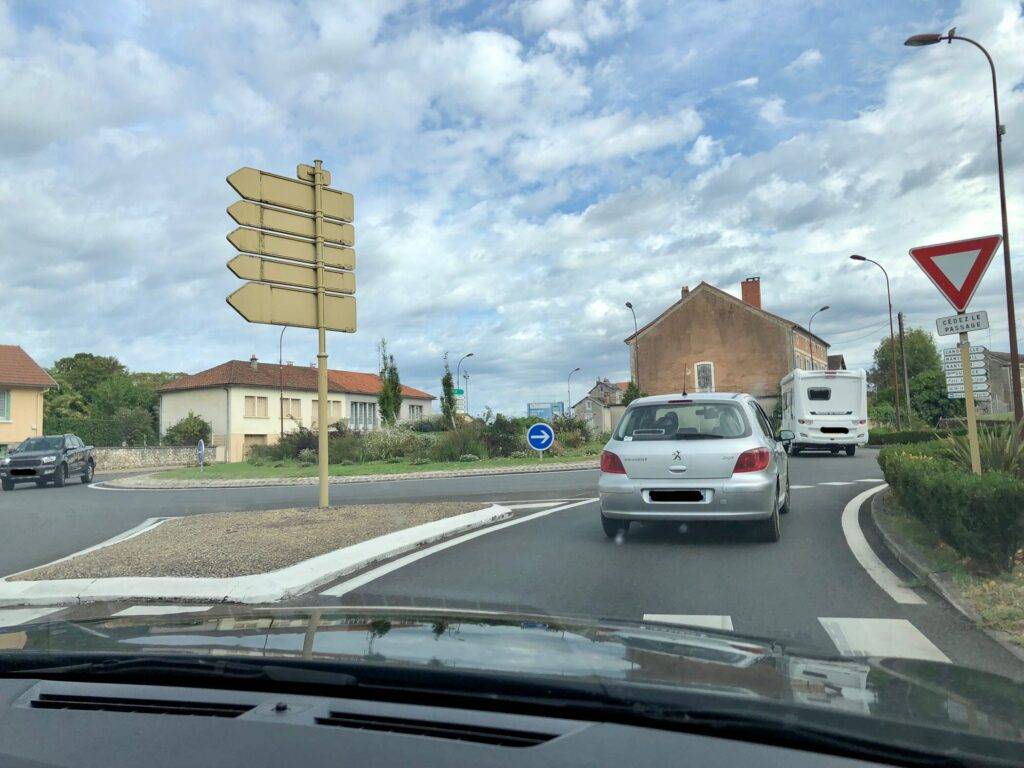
(465, 394)
(568, 386)
(892, 340)
(917, 41)
(811, 320)
(636, 344)
(459, 365)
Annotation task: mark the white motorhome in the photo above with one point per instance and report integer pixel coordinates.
(825, 410)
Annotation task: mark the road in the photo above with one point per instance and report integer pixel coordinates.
(807, 591)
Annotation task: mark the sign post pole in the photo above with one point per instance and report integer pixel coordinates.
(321, 329)
(972, 421)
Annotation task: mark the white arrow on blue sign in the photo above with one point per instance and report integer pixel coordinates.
(540, 436)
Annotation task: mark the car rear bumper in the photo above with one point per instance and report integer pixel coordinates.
(740, 497)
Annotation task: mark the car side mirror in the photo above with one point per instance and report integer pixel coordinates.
(785, 435)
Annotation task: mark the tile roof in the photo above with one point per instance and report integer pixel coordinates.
(18, 369)
(240, 373)
(623, 385)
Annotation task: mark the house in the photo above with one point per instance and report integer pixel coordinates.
(22, 384)
(253, 403)
(710, 340)
(836, 363)
(602, 406)
(1000, 384)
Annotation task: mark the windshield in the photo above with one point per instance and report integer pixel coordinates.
(41, 444)
(472, 332)
(683, 421)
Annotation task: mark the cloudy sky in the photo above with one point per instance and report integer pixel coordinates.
(520, 170)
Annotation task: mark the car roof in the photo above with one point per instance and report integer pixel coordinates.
(694, 396)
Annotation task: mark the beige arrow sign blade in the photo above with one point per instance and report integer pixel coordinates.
(261, 303)
(254, 268)
(267, 244)
(250, 214)
(264, 187)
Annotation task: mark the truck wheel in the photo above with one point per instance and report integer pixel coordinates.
(851, 449)
(87, 475)
(60, 476)
(7, 485)
(834, 450)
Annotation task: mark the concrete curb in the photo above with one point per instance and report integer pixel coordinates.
(914, 561)
(146, 482)
(257, 588)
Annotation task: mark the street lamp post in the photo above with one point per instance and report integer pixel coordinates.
(465, 392)
(280, 377)
(892, 341)
(568, 387)
(930, 39)
(811, 341)
(458, 367)
(636, 344)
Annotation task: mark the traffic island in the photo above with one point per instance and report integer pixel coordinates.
(248, 557)
(995, 604)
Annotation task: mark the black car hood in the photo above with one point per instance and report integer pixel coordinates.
(33, 454)
(612, 652)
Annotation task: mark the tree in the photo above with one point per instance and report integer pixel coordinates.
(64, 403)
(922, 355)
(189, 431)
(389, 399)
(119, 391)
(448, 394)
(632, 393)
(929, 399)
(84, 372)
(132, 426)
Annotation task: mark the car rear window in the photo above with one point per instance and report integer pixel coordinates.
(819, 393)
(683, 421)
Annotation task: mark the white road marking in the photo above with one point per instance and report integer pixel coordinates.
(12, 617)
(372, 575)
(866, 556)
(881, 637)
(839, 482)
(798, 487)
(532, 505)
(692, 620)
(871, 480)
(161, 610)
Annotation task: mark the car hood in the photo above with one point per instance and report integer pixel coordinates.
(609, 652)
(33, 454)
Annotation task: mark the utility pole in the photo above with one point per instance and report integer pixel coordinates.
(906, 379)
(465, 393)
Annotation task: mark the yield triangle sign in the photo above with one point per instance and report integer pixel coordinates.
(957, 268)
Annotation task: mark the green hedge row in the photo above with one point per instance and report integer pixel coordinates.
(979, 516)
(904, 437)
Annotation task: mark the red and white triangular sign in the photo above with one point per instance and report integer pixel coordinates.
(957, 268)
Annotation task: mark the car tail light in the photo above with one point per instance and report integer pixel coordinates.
(611, 463)
(753, 460)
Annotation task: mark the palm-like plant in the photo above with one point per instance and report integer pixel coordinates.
(1001, 448)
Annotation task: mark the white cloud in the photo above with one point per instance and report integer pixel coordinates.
(772, 110)
(809, 59)
(747, 82)
(704, 150)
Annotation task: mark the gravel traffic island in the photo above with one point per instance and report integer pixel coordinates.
(231, 544)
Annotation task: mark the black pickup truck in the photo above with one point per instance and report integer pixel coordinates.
(49, 459)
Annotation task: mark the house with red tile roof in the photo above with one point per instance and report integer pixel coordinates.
(602, 406)
(22, 384)
(253, 403)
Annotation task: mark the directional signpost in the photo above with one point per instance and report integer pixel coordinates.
(295, 243)
(540, 436)
(956, 270)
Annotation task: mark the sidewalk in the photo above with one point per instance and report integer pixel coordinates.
(149, 482)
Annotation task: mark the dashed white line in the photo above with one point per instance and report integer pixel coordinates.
(708, 621)
(880, 637)
(374, 574)
(799, 487)
(866, 556)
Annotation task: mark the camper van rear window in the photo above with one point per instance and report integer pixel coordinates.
(819, 393)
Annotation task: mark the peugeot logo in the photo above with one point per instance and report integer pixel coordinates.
(677, 456)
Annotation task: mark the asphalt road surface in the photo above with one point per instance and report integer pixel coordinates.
(807, 591)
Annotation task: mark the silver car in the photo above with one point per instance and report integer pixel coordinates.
(706, 456)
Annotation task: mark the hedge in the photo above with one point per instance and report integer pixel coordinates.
(904, 437)
(979, 516)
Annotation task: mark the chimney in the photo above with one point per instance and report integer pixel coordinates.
(253, 362)
(750, 290)
(683, 291)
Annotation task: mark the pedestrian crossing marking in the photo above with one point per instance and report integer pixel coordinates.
(880, 637)
(707, 621)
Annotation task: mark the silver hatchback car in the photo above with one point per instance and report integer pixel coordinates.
(706, 456)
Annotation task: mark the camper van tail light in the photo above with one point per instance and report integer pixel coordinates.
(611, 463)
(804, 421)
(753, 460)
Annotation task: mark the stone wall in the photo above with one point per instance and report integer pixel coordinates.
(166, 456)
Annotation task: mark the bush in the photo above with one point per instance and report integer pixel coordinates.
(503, 437)
(344, 447)
(571, 438)
(385, 443)
(1001, 449)
(307, 456)
(469, 457)
(293, 443)
(887, 437)
(429, 424)
(458, 442)
(979, 516)
(571, 424)
(189, 431)
(521, 455)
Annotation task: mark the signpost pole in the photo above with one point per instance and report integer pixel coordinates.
(321, 329)
(972, 422)
(903, 354)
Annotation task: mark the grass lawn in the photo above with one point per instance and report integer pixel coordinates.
(999, 599)
(243, 469)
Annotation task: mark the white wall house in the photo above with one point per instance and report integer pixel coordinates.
(252, 403)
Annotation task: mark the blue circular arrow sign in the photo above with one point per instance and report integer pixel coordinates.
(540, 436)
